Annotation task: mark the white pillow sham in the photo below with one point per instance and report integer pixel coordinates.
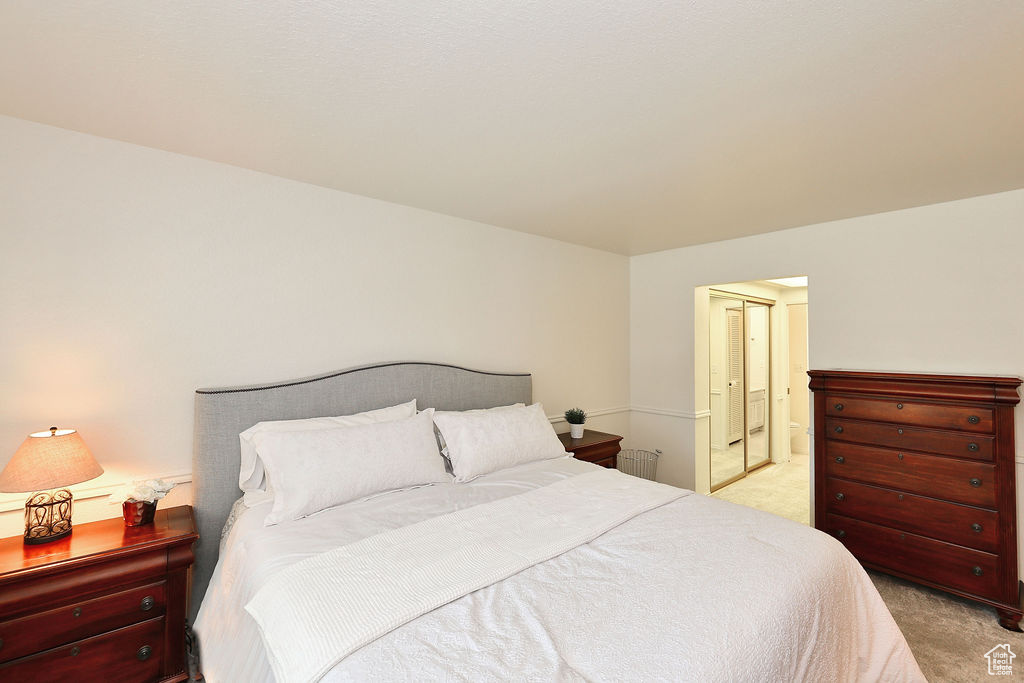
(251, 476)
(315, 470)
(482, 441)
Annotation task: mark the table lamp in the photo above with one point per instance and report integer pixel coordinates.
(46, 461)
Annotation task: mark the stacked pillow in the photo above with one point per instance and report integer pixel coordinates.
(305, 466)
(483, 441)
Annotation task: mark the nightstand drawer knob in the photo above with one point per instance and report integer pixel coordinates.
(978, 571)
(899, 430)
(147, 603)
(975, 482)
(839, 429)
(976, 528)
(899, 406)
(840, 497)
(841, 534)
(972, 447)
(839, 407)
(840, 459)
(77, 612)
(74, 651)
(144, 653)
(974, 419)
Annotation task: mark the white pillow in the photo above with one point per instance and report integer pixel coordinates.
(316, 470)
(251, 477)
(482, 441)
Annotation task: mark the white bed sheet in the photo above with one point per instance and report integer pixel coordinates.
(698, 589)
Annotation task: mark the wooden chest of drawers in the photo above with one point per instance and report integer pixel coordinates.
(914, 474)
(104, 604)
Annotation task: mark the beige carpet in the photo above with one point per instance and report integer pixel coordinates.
(783, 489)
(948, 635)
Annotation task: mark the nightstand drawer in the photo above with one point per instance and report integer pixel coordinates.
(132, 655)
(76, 620)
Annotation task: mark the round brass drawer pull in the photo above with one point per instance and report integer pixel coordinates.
(840, 496)
(147, 603)
(975, 482)
(77, 612)
(976, 528)
(144, 652)
(974, 419)
(839, 407)
(972, 447)
(978, 571)
(839, 429)
(899, 430)
(74, 651)
(841, 534)
(840, 459)
(899, 406)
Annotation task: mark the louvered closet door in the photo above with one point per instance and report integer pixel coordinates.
(735, 329)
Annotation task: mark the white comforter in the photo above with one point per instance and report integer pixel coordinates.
(698, 589)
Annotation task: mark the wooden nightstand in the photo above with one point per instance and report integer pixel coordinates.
(107, 603)
(596, 447)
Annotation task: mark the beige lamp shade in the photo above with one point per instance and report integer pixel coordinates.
(49, 460)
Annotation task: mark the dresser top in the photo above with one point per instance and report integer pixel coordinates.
(984, 388)
(95, 541)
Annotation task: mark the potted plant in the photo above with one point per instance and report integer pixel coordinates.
(575, 417)
(138, 500)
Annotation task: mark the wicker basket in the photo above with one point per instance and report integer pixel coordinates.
(641, 464)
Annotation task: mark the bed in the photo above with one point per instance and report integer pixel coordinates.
(656, 583)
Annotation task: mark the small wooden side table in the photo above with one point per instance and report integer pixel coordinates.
(599, 448)
(107, 603)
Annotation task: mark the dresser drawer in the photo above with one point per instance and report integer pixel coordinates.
(132, 654)
(950, 565)
(973, 527)
(76, 620)
(973, 446)
(962, 481)
(964, 418)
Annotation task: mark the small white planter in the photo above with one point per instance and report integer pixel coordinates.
(576, 431)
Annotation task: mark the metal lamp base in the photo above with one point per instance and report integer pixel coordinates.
(47, 516)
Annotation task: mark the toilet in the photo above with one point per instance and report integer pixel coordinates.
(794, 438)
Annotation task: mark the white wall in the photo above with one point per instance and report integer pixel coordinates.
(130, 276)
(930, 289)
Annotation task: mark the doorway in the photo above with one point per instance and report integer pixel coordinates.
(740, 354)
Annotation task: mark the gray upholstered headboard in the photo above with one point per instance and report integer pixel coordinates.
(221, 414)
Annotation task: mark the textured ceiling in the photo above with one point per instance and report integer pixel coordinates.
(627, 126)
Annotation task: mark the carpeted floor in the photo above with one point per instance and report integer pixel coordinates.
(782, 488)
(948, 635)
